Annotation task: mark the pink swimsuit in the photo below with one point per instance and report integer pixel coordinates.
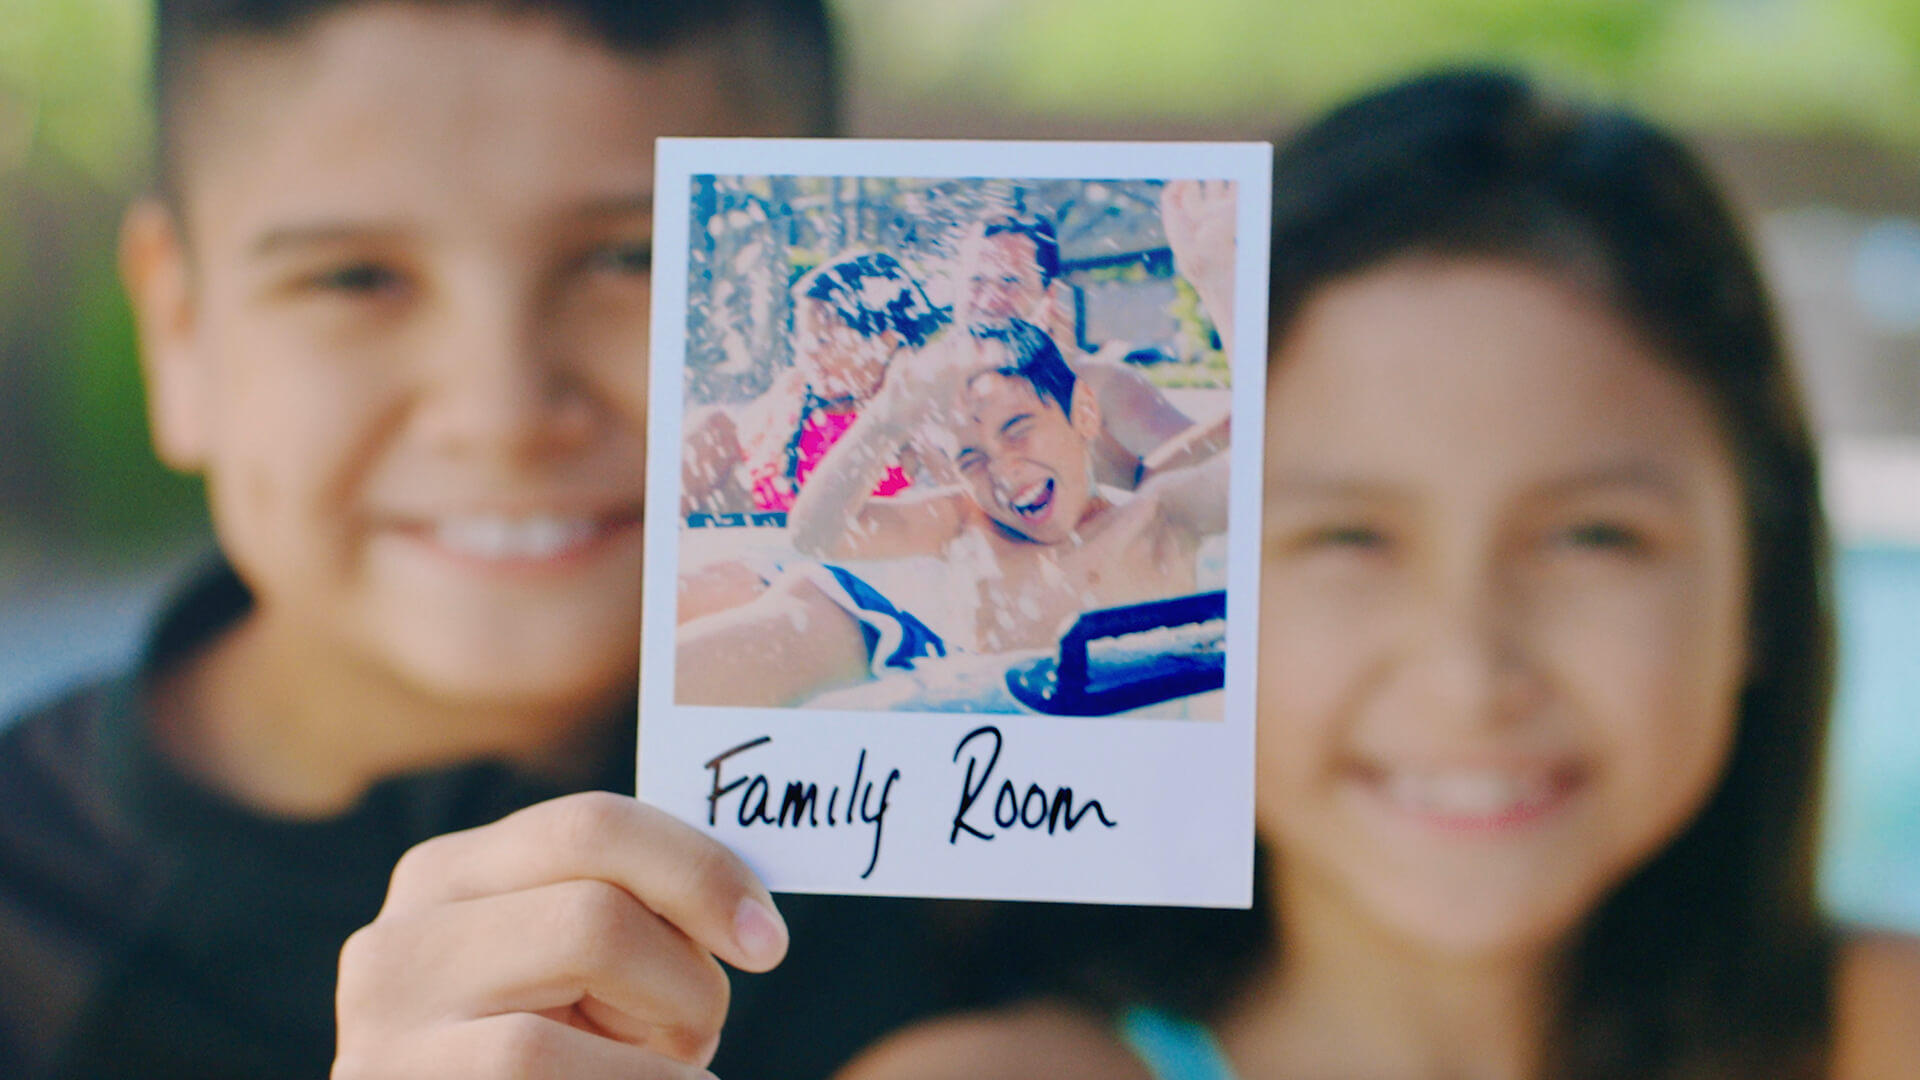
(773, 490)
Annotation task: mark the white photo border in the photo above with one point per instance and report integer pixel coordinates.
(1181, 791)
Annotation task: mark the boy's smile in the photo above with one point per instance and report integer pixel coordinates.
(1023, 460)
(409, 347)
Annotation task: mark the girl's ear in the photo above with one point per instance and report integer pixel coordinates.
(155, 270)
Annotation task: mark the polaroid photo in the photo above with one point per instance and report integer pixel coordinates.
(953, 514)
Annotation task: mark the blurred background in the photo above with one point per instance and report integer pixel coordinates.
(1809, 110)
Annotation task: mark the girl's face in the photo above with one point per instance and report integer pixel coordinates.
(1504, 605)
(837, 360)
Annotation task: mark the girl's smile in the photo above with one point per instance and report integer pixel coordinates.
(1504, 607)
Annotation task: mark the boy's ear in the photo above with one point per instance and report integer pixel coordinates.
(1086, 411)
(154, 270)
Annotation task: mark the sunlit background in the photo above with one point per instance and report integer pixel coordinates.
(1809, 110)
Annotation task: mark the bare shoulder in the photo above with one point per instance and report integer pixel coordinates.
(1029, 1042)
(1877, 1007)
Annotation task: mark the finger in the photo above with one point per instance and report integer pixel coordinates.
(521, 1045)
(688, 878)
(584, 945)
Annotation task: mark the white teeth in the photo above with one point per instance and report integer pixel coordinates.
(1477, 793)
(1024, 499)
(540, 536)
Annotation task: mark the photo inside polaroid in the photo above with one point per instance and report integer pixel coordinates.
(956, 445)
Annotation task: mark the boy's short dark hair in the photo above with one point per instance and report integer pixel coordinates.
(1046, 245)
(1036, 360)
(783, 50)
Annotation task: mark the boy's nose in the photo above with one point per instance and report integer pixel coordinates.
(504, 388)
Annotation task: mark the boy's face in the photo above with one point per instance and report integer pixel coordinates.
(1001, 280)
(405, 337)
(1024, 461)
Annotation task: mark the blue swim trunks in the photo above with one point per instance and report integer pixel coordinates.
(895, 638)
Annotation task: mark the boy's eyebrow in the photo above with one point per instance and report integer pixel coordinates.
(617, 205)
(286, 237)
(1016, 418)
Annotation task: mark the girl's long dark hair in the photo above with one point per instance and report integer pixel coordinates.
(1711, 959)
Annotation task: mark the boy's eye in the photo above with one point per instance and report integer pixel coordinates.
(1350, 537)
(971, 462)
(359, 279)
(634, 259)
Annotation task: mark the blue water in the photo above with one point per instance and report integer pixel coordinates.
(1871, 868)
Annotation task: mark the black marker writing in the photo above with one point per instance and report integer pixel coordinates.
(1035, 809)
(799, 803)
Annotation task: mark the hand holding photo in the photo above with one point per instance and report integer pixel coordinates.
(953, 425)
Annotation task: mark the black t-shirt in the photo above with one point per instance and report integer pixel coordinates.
(152, 928)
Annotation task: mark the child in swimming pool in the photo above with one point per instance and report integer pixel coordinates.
(852, 317)
(1545, 655)
(1017, 427)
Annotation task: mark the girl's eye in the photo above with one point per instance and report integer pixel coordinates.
(625, 259)
(971, 462)
(359, 279)
(1602, 536)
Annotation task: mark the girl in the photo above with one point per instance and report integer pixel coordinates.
(851, 318)
(1546, 653)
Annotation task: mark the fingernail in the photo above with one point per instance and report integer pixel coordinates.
(760, 933)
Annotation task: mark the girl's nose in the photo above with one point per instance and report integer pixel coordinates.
(1463, 661)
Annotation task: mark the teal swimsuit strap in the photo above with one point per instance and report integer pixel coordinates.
(1172, 1048)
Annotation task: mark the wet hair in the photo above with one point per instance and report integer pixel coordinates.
(1046, 245)
(872, 293)
(1036, 360)
(1710, 959)
(780, 54)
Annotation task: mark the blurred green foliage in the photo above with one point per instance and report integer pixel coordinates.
(72, 85)
(1848, 67)
(74, 133)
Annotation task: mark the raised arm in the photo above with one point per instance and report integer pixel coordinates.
(836, 515)
(1198, 216)
(1193, 498)
(1196, 445)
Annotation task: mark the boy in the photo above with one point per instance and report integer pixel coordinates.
(393, 302)
(1039, 539)
(1008, 268)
